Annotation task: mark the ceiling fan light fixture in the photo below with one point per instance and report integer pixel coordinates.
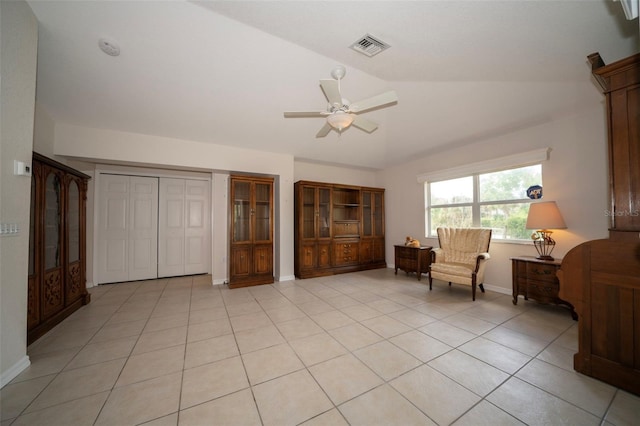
(340, 120)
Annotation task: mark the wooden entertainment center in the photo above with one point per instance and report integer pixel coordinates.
(338, 228)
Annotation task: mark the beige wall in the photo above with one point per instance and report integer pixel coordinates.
(575, 176)
(19, 34)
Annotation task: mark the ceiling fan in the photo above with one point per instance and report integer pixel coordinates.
(340, 113)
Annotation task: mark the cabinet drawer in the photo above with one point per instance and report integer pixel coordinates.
(346, 253)
(406, 253)
(346, 229)
(408, 264)
(542, 288)
(541, 272)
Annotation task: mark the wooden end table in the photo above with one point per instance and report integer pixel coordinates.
(413, 259)
(536, 279)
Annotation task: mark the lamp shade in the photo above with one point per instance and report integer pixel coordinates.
(545, 215)
(340, 120)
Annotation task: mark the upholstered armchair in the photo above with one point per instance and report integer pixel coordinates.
(462, 257)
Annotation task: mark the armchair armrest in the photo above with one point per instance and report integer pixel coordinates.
(437, 255)
(482, 257)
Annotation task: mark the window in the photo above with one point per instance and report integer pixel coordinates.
(496, 200)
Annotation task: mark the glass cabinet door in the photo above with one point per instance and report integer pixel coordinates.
(308, 212)
(262, 212)
(324, 212)
(32, 229)
(52, 222)
(366, 214)
(73, 222)
(378, 214)
(241, 193)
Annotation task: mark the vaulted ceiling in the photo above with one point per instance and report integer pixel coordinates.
(224, 72)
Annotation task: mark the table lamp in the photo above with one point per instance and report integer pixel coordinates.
(544, 216)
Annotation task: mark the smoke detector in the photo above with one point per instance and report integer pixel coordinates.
(110, 47)
(369, 45)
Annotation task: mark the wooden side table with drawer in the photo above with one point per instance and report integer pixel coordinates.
(536, 279)
(413, 259)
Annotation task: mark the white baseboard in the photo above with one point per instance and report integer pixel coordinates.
(287, 278)
(14, 370)
(498, 289)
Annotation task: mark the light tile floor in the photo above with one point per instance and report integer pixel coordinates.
(367, 348)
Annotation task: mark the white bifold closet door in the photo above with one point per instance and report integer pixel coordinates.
(183, 227)
(128, 225)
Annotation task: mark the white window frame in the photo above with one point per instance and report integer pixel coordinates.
(475, 170)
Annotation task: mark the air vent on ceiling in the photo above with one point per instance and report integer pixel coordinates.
(369, 45)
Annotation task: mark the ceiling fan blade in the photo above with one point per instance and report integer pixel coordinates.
(294, 114)
(331, 91)
(324, 131)
(374, 102)
(364, 124)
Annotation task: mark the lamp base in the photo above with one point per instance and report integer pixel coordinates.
(544, 244)
(543, 257)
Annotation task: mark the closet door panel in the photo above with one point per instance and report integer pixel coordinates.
(128, 228)
(171, 227)
(197, 227)
(113, 229)
(143, 233)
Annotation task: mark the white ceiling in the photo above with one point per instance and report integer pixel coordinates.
(223, 72)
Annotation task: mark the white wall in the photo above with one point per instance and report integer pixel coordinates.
(44, 133)
(575, 176)
(19, 34)
(305, 170)
(107, 146)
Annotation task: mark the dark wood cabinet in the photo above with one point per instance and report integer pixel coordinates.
(338, 228)
(372, 244)
(601, 278)
(57, 247)
(413, 259)
(251, 229)
(536, 279)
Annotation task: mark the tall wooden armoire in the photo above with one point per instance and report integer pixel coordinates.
(57, 247)
(601, 278)
(251, 231)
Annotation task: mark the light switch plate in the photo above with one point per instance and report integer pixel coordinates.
(21, 169)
